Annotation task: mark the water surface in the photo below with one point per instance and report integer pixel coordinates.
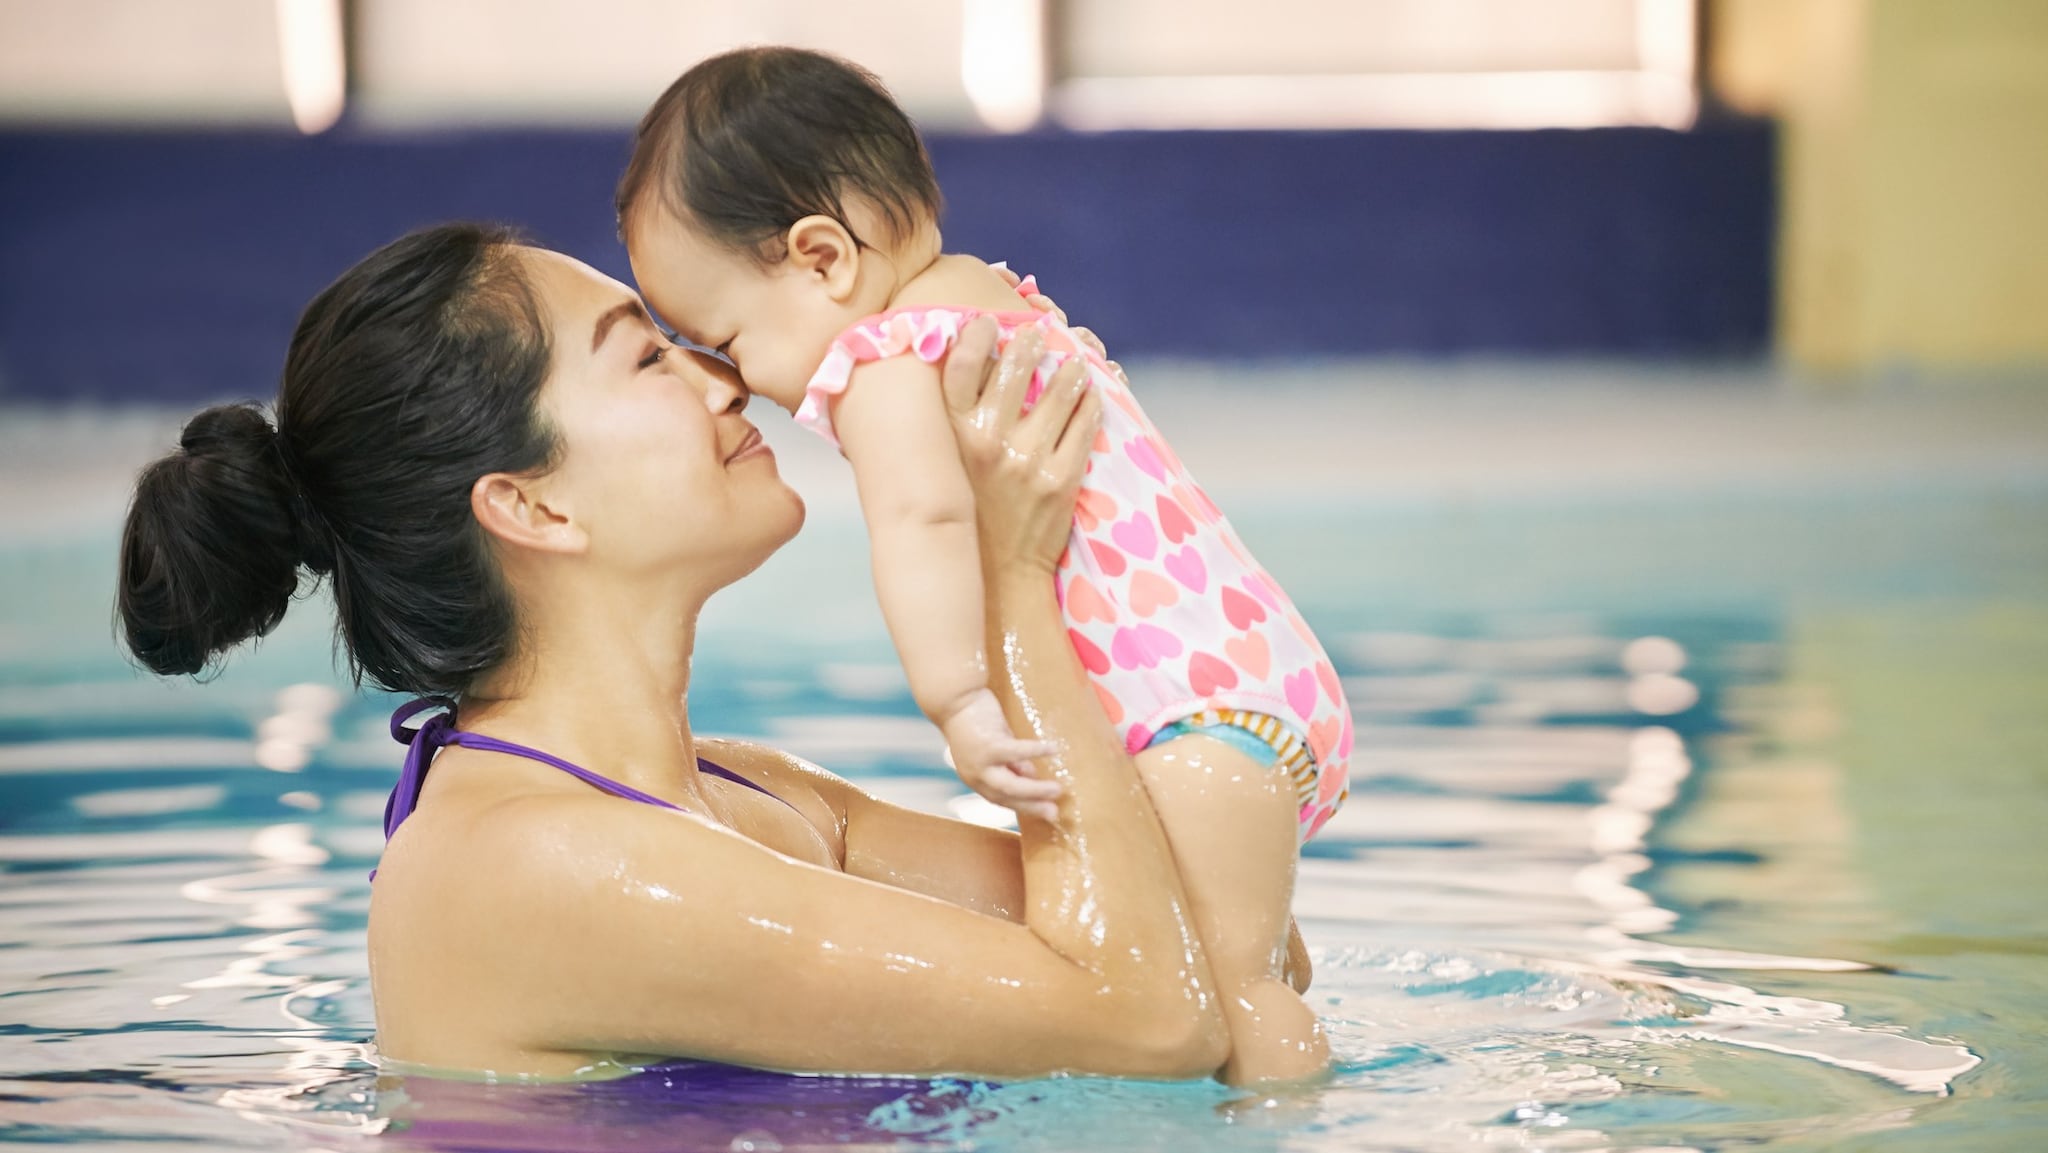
(1698, 816)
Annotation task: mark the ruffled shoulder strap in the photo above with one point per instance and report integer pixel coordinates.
(926, 333)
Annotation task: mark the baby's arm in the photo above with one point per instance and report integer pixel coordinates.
(893, 426)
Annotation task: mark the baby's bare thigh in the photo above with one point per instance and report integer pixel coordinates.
(1232, 825)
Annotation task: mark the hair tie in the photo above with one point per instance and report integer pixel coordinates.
(310, 536)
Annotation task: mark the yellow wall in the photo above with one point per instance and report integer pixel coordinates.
(1915, 167)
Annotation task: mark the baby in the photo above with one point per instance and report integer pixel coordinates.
(780, 208)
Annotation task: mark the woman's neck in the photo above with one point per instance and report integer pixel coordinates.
(603, 687)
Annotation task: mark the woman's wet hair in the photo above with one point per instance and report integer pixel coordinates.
(749, 142)
(411, 376)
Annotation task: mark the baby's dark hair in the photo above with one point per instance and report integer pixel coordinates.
(751, 141)
(410, 377)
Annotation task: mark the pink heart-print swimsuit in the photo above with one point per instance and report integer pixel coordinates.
(1168, 612)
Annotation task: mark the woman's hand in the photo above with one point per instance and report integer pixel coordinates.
(1025, 470)
(1044, 303)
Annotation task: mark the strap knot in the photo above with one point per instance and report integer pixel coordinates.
(440, 725)
(424, 739)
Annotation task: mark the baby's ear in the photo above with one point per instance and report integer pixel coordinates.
(822, 247)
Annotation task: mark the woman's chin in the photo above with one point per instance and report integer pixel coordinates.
(796, 516)
(780, 520)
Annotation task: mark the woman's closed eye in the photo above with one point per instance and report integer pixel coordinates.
(655, 355)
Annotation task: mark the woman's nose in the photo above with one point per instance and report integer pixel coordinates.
(726, 395)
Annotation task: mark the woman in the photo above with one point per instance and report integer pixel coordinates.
(522, 496)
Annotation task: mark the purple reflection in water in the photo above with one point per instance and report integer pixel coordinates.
(676, 1107)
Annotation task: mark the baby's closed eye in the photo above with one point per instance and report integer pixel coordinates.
(721, 350)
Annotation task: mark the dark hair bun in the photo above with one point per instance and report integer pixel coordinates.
(209, 556)
(439, 322)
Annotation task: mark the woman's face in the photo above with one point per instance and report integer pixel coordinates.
(658, 466)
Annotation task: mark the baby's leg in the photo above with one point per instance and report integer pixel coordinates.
(1231, 823)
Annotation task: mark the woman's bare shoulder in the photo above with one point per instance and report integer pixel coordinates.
(769, 766)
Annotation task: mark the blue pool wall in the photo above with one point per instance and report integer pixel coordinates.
(170, 266)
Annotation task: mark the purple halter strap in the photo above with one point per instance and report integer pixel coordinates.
(439, 731)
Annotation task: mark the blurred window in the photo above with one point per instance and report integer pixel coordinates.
(1362, 63)
(604, 61)
(141, 61)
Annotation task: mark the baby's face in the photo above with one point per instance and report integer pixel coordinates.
(774, 323)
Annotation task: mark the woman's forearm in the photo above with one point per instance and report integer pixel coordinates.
(1100, 884)
(1100, 887)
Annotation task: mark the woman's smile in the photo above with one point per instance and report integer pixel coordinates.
(750, 447)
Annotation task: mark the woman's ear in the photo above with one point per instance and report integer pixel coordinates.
(516, 510)
(822, 247)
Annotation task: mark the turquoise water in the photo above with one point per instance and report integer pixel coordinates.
(1693, 818)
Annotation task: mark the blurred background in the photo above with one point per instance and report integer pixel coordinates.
(1646, 399)
(1851, 184)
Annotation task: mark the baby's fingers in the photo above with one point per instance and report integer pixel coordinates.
(1018, 754)
(1006, 786)
(1044, 810)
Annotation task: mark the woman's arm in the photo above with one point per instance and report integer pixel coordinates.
(972, 866)
(1038, 676)
(969, 865)
(668, 935)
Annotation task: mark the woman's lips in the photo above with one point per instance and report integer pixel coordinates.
(751, 445)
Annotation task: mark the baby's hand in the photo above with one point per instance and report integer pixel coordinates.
(994, 762)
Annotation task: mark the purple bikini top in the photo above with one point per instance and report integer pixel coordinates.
(437, 731)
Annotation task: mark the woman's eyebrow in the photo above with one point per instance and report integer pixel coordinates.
(623, 310)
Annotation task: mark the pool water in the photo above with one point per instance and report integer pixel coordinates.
(1689, 815)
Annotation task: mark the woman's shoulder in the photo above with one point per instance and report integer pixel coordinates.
(805, 785)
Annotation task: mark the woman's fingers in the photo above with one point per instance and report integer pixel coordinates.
(1037, 300)
(1043, 303)
(1039, 432)
(1002, 400)
(967, 366)
(1070, 457)
(1087, 336)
